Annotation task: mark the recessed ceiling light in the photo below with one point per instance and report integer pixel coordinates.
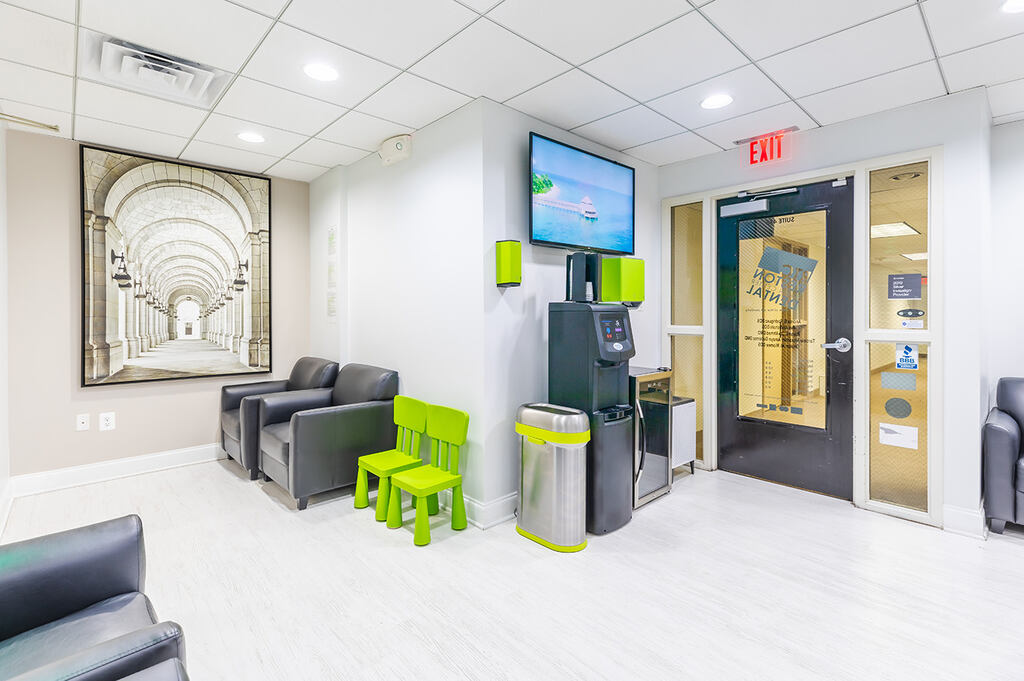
(892, 229)
(915, 256)
(716, 101)
(251, 137)
(1013, 6)
(320, 71)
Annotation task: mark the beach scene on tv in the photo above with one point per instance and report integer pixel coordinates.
(580, 200)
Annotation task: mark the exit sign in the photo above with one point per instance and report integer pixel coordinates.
(769, 148)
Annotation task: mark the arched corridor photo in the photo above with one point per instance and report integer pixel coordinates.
(176, 270)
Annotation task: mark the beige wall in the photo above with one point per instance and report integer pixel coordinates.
(44, 219)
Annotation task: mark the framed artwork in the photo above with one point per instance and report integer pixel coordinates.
(175, 270)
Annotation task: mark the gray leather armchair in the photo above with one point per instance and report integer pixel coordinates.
(310, 440)
(240, 406)
(72, 607)
(1002, 465)
(168, 670)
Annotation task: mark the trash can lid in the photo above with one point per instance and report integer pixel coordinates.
(551, 420)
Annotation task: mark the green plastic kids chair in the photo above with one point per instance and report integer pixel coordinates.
(447, 429)
(411, 419)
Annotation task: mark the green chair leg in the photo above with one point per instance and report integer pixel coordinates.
(458, 509)
(362, 489)
(383, 494)
(433, 508)
(422, 536)
(395, 508)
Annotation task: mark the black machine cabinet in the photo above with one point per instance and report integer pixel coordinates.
(589, 347)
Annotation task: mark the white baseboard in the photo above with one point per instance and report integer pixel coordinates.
(485, 515)
(75, 476)
(6, 500)
(967, 521)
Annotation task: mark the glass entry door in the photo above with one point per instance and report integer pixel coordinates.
(785, 307)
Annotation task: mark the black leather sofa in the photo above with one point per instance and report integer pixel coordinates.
(310, 440)
(239, 408)
(1002, 464)
(72, 607)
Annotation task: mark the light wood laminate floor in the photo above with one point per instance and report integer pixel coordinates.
(726, 578)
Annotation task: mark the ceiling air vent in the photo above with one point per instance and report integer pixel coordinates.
(134, 67)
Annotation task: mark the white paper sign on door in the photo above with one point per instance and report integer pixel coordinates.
(907, 357)
(897, 436)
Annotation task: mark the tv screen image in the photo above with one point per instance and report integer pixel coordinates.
(579, 200)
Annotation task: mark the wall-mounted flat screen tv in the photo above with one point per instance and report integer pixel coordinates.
(579, 200)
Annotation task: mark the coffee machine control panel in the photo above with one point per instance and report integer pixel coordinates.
(615, 338)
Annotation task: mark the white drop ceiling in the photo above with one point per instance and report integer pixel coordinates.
(629, 75)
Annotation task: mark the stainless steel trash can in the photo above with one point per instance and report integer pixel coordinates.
(553, 477)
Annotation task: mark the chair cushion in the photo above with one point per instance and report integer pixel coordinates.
(86, 628)
(275, 441)
(230, 423)
(425, 480)
(312, 372)
(384, 464)
(168, 670)
(364, 383)
(1019, 486)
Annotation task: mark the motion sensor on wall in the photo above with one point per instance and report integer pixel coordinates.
(395, 149)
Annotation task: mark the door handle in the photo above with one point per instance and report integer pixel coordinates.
(842, 345)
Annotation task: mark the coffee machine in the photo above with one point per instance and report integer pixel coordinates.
(589, 347)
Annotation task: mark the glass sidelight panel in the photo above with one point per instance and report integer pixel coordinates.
(898, 468)
(899, 247)
(782, 319)
(687, 264)
(688, 379)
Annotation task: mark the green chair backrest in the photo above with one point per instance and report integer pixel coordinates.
(447, 429)
(411, 419)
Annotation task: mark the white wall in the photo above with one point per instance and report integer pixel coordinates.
(5, 441)
(1005, 327)
(328, 210)
(961, 125)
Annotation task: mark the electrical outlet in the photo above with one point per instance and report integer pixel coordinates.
(82, 422)
(107, 421)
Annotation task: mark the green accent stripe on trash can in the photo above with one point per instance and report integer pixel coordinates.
(553, 547)
(556, 438)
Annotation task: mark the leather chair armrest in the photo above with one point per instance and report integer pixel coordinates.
(280, 407)
(169, 670)
(326, 443)
(116, 658)
(1000, 451)
(231, 395)
(46, 578)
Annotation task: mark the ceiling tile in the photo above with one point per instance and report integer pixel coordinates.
(37, 113)
(571, 99)
(127, 137)
(226, 157)
(212, 32)
(120, 106)
(293, 170)
(224, 130)
(261, 103)
(629, 128)
(58, 9)
(287, 50)
(673, 149)
(269, 7)
(888, 91)
(395, 31)
(770, 26)
(485, 59)
(359, 130)
(328, 154)
(682, 53)
(750, 89)
(30, 38)
(1007, 98)
(578, 30)
(957, 25)
(779, 117)
(996, 62)
(413, 101)
(1008, 118)
(870, 49)
(35, 86)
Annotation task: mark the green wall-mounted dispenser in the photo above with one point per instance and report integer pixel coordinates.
(509, 262)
